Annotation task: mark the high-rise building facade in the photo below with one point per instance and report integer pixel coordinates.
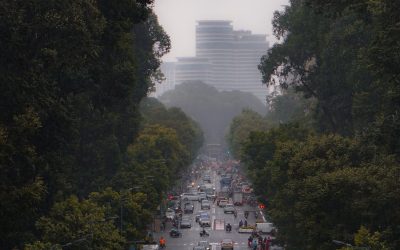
(168, 69)
(192, 69)
(225, 58)
(215, 42)
(233, 55)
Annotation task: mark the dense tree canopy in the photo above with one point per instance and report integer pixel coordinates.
(72, 75)
(331, 173)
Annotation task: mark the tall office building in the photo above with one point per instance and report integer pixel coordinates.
(192, 69)
(233, 56)
(214, 41)
(225, 58)
(168, 69)
(248, 50)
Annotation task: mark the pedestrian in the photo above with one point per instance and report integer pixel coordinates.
(267, 243)
(245, 223)
(255, 244)
(240, 223)
(250, 240)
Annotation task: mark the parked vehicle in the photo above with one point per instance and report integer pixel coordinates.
(170, 214)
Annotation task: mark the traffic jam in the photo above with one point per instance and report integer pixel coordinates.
(216, 210)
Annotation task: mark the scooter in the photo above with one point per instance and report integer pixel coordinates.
(204, 234)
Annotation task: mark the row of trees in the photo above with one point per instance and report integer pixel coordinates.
(331, 171)
(72, 75)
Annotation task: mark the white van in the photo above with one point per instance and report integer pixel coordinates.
(190, 197)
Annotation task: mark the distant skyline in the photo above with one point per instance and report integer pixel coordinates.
(178, 18)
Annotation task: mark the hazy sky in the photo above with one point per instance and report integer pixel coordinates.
(178, 18)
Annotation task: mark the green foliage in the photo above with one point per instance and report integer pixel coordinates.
(320, 188)
(72, 74)
(82, 223)
(187, 130)
(240, 128)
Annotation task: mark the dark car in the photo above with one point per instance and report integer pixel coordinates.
(175, 233)
(185, 223)
(188, 208)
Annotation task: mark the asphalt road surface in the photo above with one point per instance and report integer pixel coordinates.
(190, 237)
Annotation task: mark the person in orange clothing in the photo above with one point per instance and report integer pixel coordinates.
(162, 242)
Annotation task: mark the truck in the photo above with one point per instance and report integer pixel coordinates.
(237, 198)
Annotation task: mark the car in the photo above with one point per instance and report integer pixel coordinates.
(190, 197)
(170, 214)
(227, 244)
(207, 178)
(186, 223)
(223, 202)
(150, 247)
(202, 196)
(205, 204)
(204, 244)
(199, 214)
(229, 208)
(188, 208)
(175, 233)
(205, 221)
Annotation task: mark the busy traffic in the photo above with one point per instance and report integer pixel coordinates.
(215, 210)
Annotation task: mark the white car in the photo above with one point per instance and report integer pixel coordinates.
(229, 208)
(170, 214)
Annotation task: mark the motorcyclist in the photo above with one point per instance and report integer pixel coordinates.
(228, 227)
(250, 240)
(162, 242)
(203, 232)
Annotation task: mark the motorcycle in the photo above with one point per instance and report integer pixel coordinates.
(162, 246)
(204, 234)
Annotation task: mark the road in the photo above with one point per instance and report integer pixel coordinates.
(190, 237)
